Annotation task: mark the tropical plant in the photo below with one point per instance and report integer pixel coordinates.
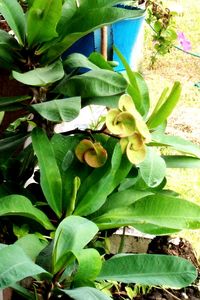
(84, 182)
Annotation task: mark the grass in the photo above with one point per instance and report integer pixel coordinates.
(178, 66)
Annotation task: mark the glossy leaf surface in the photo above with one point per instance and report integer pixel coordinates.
(50, 180)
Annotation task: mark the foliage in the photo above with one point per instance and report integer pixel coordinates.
(85, 181)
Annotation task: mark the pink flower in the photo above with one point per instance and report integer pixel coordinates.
(184, 42)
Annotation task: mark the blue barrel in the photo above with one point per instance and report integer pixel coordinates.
(125, 35)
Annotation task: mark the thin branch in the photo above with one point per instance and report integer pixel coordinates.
(89, 132)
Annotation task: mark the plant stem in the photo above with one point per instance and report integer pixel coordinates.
(89, 132)
(121, 246)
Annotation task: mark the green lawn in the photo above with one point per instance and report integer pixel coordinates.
(186, 69)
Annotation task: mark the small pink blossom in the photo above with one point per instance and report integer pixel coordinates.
(185, 43)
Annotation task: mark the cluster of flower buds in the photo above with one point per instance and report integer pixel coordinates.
(159, 12)
(91, 153)
(128, 124)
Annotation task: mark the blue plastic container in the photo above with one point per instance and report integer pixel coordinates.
(125, 35)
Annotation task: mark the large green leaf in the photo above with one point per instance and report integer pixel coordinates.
(82, 22)
(100, 184)
(14, 15)
(180, 161)
(159, 209)
(41, 76)
(9, 144)
(43, 17)
(59, 110)
(51, 181)
(7, 103)
(20, 206)
(77, 60)
(31, 244)
(149, 269)
(8, 50)
(71, 236)
(155, 230)
(137, 87)
(90, 264)
(153, 168)
(161, 113)
(94, 84)
(86, 293)
(15, 265)
(176, 142)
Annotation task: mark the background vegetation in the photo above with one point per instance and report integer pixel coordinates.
(185, 68)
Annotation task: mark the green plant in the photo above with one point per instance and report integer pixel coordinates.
(88, 181)
(162, 22)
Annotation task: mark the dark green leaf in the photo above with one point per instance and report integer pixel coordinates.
(41, 76)
(94, 84)
(8, 102)
(82, 22)
(159, 209)
(60, 110)
(43, 17)
(101, 183)
(14, 15)
(20, 206)
(161, 270)
(51, 181)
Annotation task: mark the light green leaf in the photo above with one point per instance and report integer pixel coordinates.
(159, 209)
(170, 271)
(160, 114)
(15, 265)
(77, 60)
(137, 88)
(154, 229)
(180, 161)
(71, 236)
(86, 293)
(32, 245)
(60, 110)
(14, 15)
(51, 181)
(90, 264)
(20, 206)
(153, 168)
(41, 76)
(176, 142)
(43, 17)
(94, 84)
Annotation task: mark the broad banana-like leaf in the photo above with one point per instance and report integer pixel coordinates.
(149, 269)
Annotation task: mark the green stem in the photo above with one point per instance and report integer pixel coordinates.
(121, 246)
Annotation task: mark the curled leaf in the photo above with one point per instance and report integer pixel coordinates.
(91, 153)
